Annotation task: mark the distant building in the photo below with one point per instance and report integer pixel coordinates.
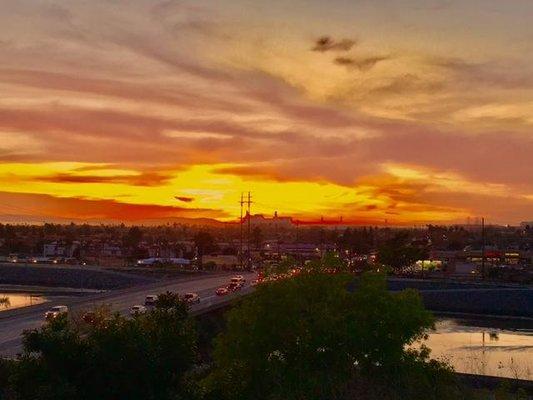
(60, 249)
(109, 250)
(160, 251)
(222, 260)
(493, 256)
(273, 222)
(307, 250)
(53, 249)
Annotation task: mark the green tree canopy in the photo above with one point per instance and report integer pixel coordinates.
(146, 357)
(398, 253)
(310, 338)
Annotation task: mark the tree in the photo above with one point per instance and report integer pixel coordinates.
(146, 357)
(330, 262)
(281, 268)
(257, 237)
(398, 253)
(6, 372)
(4, 302)
(309, 338)
(133, 237)
(204, 243)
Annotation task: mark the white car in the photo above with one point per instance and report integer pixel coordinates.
(191, 298)
(150, 300)
(238, 280)
(138, 309)
(55, 312)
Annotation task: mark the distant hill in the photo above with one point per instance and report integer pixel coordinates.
(41, 219)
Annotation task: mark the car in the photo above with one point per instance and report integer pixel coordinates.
(222, 291)
(233, 287)
(149, 261)
(191, 298)
(238, 278)
(55, 312)
(40, 260)
(138, 309)
(150, 300)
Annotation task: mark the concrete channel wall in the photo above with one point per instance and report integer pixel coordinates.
(471, 298)
(67, 276)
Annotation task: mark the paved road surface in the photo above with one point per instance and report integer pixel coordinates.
(12, 325)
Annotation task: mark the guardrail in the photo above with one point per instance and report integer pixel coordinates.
(221, 303)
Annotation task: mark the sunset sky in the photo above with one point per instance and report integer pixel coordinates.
(405, 111)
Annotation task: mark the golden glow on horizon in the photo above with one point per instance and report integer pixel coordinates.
(209, 189)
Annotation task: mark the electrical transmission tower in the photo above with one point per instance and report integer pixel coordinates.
(241, 222)
(248, 202)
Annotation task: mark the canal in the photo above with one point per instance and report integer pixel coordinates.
(10, 301)
(495, 347)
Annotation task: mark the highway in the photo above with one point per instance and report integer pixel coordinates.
(14, 322)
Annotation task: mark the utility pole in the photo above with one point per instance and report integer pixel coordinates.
(483, 272)
(249, 260)
(277, 234)
(240, 223)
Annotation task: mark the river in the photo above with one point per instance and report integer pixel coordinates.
(9, 301)
(495, 347)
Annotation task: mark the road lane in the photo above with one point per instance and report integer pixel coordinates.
(11, 328)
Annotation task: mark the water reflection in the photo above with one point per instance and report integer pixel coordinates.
(485, 347)
(9, 301)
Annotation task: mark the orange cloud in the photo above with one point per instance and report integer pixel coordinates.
(142, 179)
(30, 205)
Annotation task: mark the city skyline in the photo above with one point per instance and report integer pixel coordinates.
(408, 111)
